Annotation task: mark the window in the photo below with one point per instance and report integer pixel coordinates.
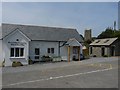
(37, 53)
(12, 52)
(50, 50)
(98, 41)
(21, 52)
(106, 41)
(16, 52)
(17, 39)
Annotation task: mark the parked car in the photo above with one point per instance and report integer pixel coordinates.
(82, 57)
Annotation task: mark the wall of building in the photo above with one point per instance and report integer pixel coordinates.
(64, 52)
(117, 47)
(9, 42)
(96, 50)
(1, 53)
(43, 46)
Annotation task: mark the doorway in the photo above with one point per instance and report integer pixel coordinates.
(102, 51)
(112, 50)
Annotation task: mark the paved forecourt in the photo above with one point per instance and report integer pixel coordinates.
(91, 73)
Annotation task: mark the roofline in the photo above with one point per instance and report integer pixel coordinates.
(53, 41)
(106, 38)
(40, 26)
(19, 31)
(102, 39)
(101, 45)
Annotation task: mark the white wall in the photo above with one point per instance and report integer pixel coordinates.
(1, 52)
(43, 45)
(64, 52)
(7, 46)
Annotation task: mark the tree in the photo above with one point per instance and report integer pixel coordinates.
(109, 33)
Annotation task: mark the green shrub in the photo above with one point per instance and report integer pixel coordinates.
(3, 63)
(46, 58)
(16, 63)
(30, 62)
(105, 55)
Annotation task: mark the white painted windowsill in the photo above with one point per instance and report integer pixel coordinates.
(17, 57)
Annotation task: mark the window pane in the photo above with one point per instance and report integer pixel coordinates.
(48, 50)
(16, 52)
(37, 51)
(21, 52)
(52, 50)
(12, 52)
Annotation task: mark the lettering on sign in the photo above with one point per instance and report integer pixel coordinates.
(17, 43)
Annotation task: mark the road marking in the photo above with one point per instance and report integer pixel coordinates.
(58, 77)
(101, 65)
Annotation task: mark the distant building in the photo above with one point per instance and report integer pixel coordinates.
(107, 46)
(87, 34)
(24, 42)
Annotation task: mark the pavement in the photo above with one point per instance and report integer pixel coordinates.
(90, 73)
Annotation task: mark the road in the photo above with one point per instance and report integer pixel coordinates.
(91, 73)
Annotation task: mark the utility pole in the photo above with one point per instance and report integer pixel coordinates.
(114, 25)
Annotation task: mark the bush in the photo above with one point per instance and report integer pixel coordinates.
(105, 55)
(3, 63)
(30, 62)
(16, 63)
(46, 58)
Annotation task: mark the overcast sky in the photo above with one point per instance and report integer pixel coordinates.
(96, 16)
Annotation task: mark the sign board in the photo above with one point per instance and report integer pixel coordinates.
(17, 43)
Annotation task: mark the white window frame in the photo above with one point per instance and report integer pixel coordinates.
(37, 55)
(19, 52)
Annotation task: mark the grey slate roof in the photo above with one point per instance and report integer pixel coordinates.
(42, 32)
(104, 42)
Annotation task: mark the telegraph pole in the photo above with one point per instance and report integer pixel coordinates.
(114, 25)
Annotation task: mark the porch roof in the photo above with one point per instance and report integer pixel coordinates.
(73, 42)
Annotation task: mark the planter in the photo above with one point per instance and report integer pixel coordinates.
(16, 64)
